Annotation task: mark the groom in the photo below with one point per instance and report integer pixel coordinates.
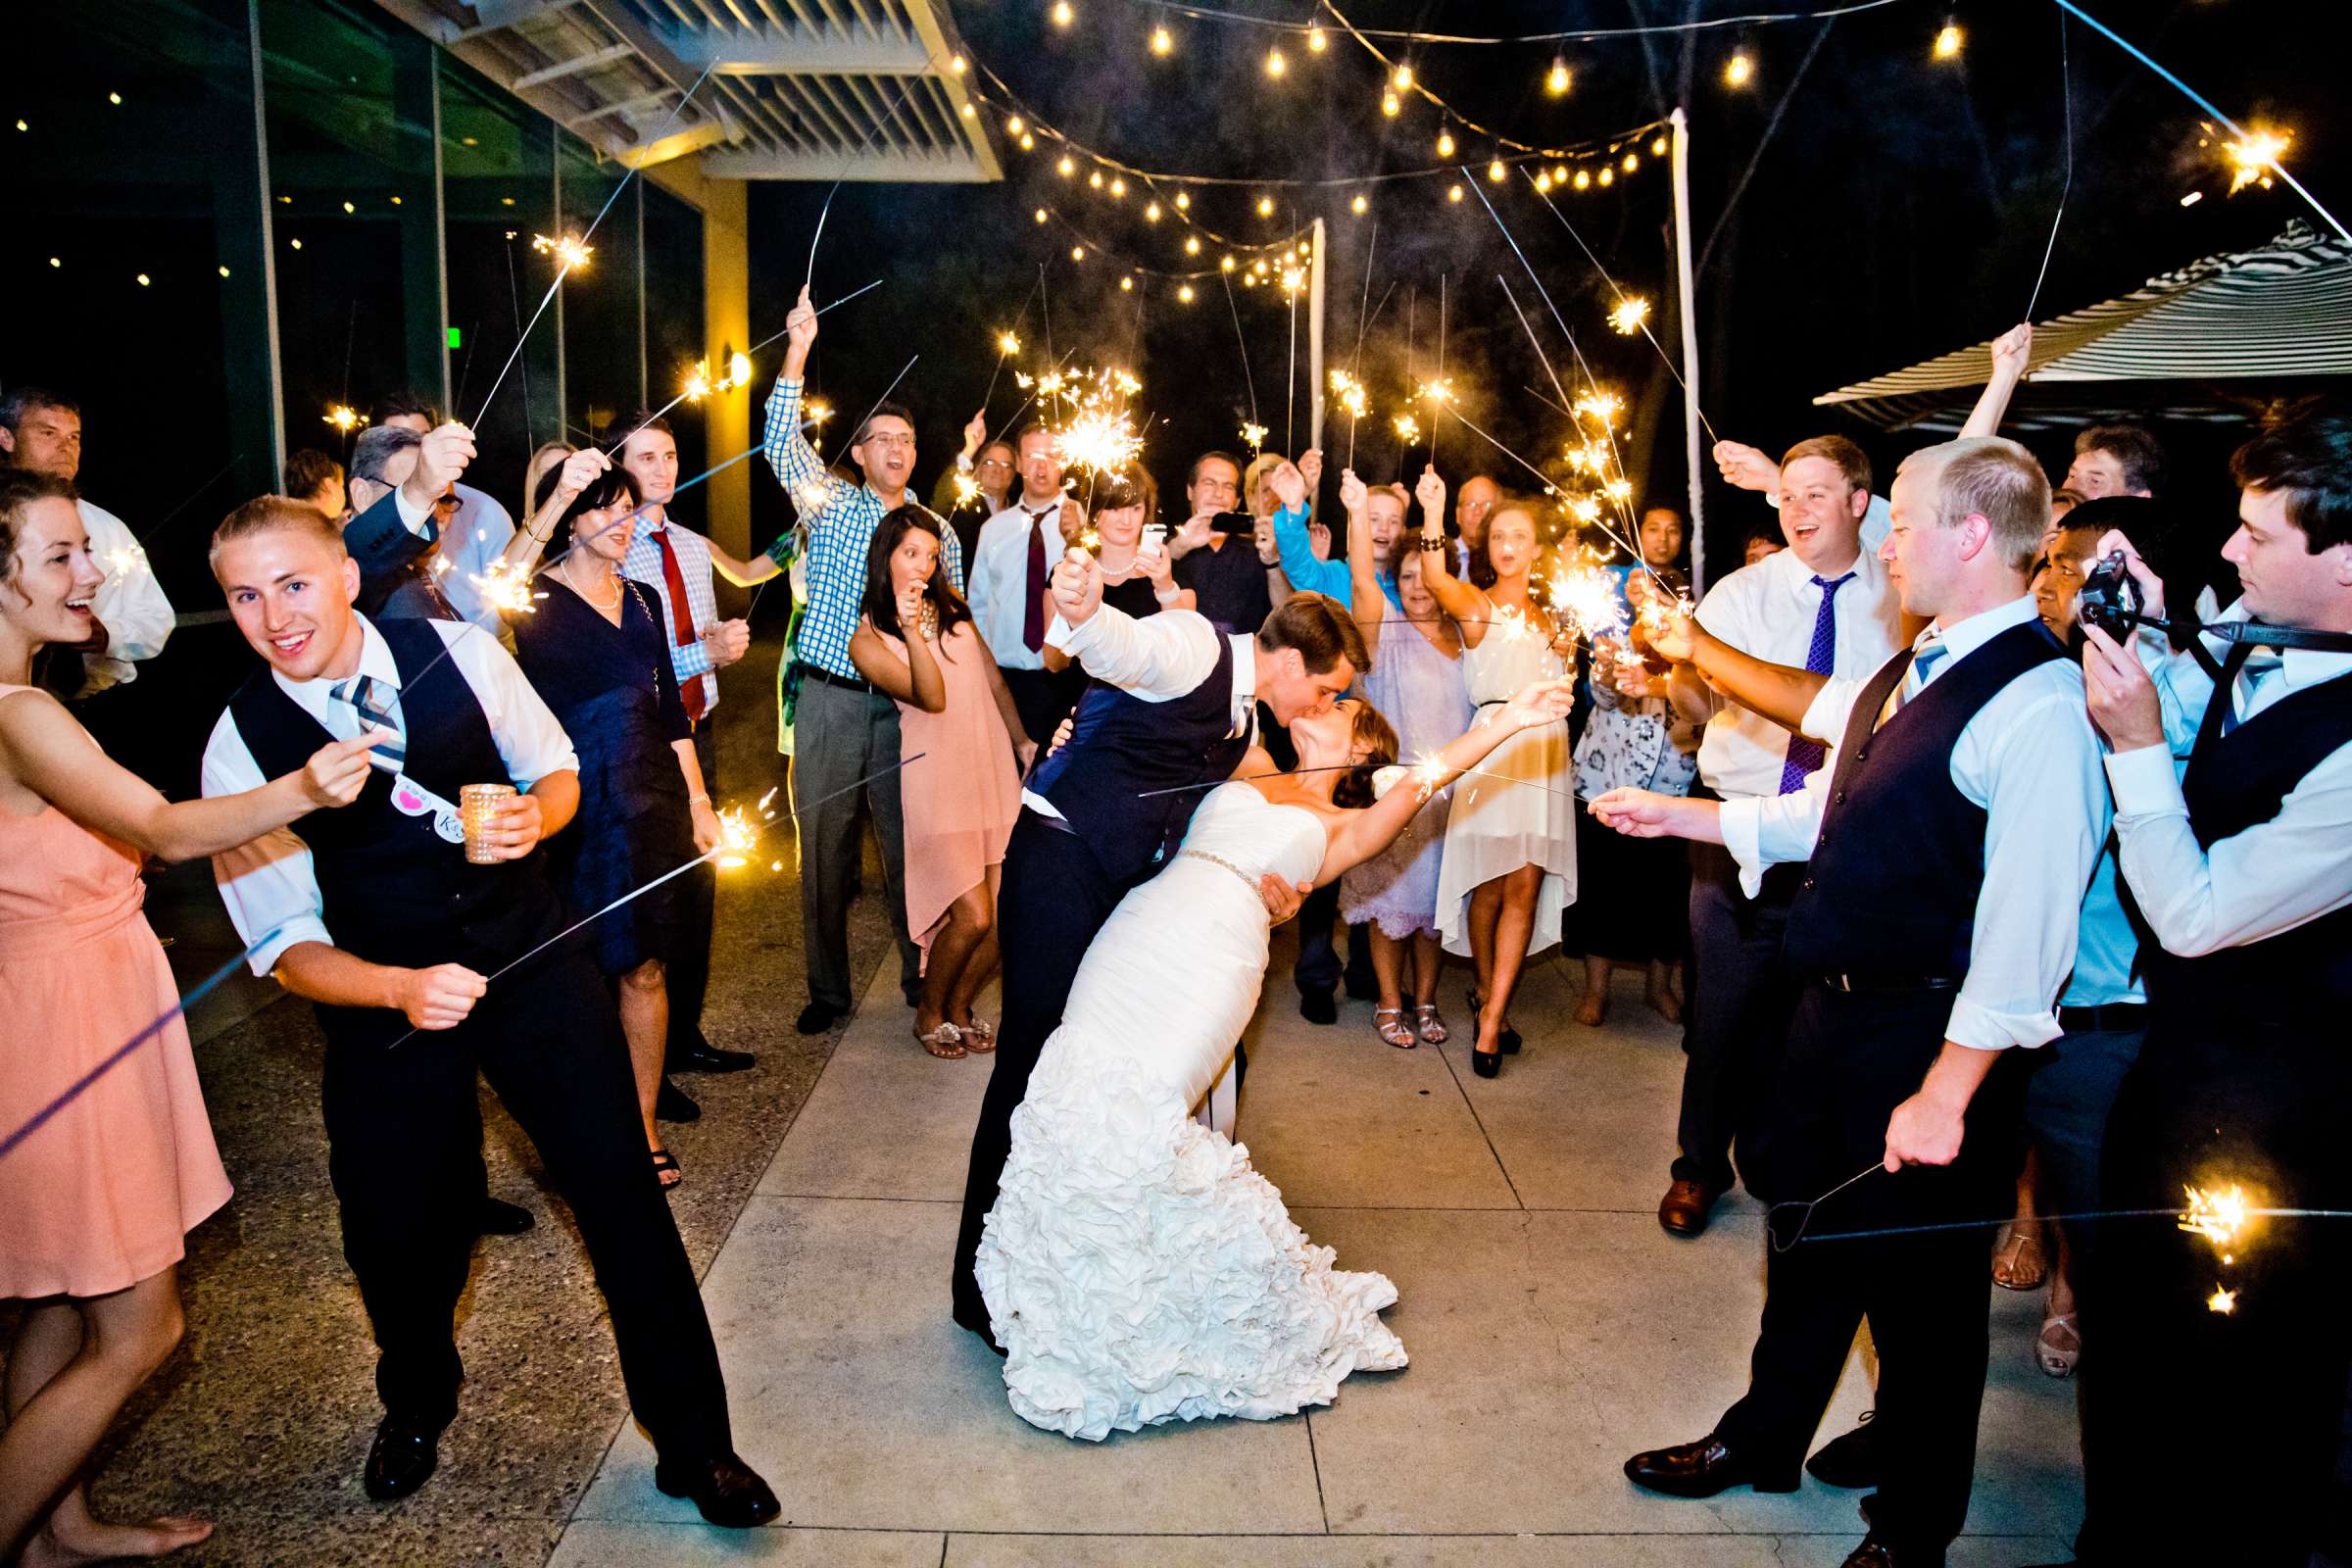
(1173, 709)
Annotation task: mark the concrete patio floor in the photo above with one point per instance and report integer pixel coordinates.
(1553, 1330)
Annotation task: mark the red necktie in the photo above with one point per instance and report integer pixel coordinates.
(681, 619)
(1033, 618)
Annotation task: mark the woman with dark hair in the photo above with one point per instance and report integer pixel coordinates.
(960, 789)
(1138, 572)
(594, 645)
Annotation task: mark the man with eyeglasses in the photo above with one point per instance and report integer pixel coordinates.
(403, 503)
(846, 729)
(1228, 580)
(988, 465)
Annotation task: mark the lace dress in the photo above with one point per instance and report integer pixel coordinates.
(1137, 1269)
(1419, 689)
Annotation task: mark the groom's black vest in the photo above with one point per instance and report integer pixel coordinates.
(1121, 747)
(393, 891)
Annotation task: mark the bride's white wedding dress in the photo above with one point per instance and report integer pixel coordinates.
(1137, 1269)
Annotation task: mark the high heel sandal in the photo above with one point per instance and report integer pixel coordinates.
(2054, 1359)
(1388, 1024)
(667, 1171)
(1431, 1026)
(1486, 1063)
(1508, 1039)
(944, 1042)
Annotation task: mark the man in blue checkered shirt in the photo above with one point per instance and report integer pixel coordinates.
(845, 729)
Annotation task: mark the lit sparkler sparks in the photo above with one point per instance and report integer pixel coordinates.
(1601, 406)
(344, 417)
(569, 252)
(122, 561)
(1630, 315)
(738, 836)
(1008, 344)
(968, 489)
(1429, 778)
(1584, 597)
(1436, 392)
(1255, 435)
(2222, 1301)
(1350, 395)
(1408, 428)
(816, 412)
(2253, 158)
(505, 588)
(2216, 1215)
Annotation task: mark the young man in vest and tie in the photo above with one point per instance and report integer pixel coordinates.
(1173, 709)
(2235, 1364)
(381, 918)
(1949, 849)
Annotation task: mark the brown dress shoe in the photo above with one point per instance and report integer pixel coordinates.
(1683, 1211)
(1876, 1553)
(1702, 1469)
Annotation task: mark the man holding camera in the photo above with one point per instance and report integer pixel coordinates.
(2230, 1348)
(1228, 579)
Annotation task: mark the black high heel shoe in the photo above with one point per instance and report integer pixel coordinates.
(1508, 1039)
(1486, 1063)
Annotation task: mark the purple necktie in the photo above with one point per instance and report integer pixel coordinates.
(1804, 756)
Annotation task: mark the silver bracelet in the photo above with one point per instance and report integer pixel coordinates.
(698, 800)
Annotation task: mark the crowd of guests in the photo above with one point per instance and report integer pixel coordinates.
(2017, 958)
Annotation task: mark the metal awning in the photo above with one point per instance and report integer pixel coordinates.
(799, 89)
(2201, 342)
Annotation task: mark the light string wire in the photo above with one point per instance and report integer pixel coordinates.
(1204, 13)
(1122, 258)
(123, 1053)
(791, 814)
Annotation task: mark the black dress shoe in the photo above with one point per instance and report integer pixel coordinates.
(670, 1103)
(1316, 1006)
(1876, 1553)
(729, 1491)
(1851, 1460)
(1702, 1469)
(1683, 1211)
(818, 1017)
(503, 1219)
(399, 1459)
(704, 1056)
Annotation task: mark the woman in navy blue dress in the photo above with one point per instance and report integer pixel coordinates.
(593, 645)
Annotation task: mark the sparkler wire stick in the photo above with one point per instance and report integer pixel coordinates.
(2173, 1213)
(824, 211)
(2194, 97)
(1772, 1233)
(189, 500)
(2065, 96)
(1624, 512)
(1289, 385)
(116, 1057)
(761, 590)
(1241, 342)
(1443, 402)
(820, 310)
(1032, 397)
(791, 814)
(1614, 537)
(662, 130)
(515, 298)
(1013, 332)
(521, 338)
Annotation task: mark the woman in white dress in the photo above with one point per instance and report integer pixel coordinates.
(1509, 864)
(1137, 1270)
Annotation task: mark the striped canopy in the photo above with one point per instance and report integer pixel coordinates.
(2204, 342)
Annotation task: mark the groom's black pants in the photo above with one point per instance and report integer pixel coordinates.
(1051, 900)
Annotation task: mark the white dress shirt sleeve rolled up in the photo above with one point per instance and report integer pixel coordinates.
(1156, 658)
(2029, 759)
(130, 604)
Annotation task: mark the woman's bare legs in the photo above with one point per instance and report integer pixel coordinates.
(1514, 928)
(1388, 967)
(962, 957)
(73, 1365)
(1429, 958)
(645, 1024)
(1486, 909)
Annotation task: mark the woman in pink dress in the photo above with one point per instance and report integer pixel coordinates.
(98, 1188)
(962, 788)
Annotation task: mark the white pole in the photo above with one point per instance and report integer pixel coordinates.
(1314, 338)
(1682, 257)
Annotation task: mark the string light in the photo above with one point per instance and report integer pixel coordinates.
(1543, 181)
(1275, 64)
(1183, 202)
(1094, 179)
(1361, 205)
(1389, 105)
(1068, 166)
(1446, 144)
(1063, 16)
(1453, 193)
(1118, 188)
(1496, 172)
(1949, 41)
(1608, 176)
(1028, 142)
(1556, 83)
(1127, 285)
(1658, 149)
(1077, 253)
(1265, 207)
(1404, 78)
(1632, 161)
(1192, 244)
(958, 65)
(1738, 71)
(1162, 41)
(1184, 292)
(1041, 214)
(1226, 262)
(1013, 126)
(1151, 213)
(1584, 178)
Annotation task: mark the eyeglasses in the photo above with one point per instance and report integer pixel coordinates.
(996, 463)
(887, 439)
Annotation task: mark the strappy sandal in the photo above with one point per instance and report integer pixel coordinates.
(2009, 1259)
(2054, 1358)
(666, 1170)
(979, 1036)
(944, 1042)
(1388, 1024)
(1431, 1025)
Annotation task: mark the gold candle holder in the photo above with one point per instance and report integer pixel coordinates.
(478, 809)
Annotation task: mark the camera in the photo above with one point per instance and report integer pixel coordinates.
(1240, 522)
(2110, 597)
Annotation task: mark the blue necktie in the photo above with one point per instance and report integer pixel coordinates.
(2242, 690)
(1923, 663)
(378, 702)
(1821, 658)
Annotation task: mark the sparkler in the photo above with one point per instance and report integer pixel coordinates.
(1629, 314)
(2253, 156)
(2216, 1215)
(569, 253)
(1256, 434)
(1353, 402)
(344, 417)
(1586, 599)
(507, 588)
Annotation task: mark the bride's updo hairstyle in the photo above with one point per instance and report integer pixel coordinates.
(1371, 730)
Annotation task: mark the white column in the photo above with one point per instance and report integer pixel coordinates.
(1690, 315)
(1314, 337)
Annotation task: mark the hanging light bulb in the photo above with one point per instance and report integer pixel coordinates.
(1077, 253)
(1453, 193)
(1632, 161)
(1658, 149)
(1275, 64)
(1127, 285)
(1315, 41)
(1041, 214)
(1497, 172)
(1607, 175)
(1192, 244)
(1543, 181)
(1361, 205)
(1738, 71)
(1445, 144)
(1184, 200)
(1948, 43)
(1151, 213)
(1404, 78)
(1063, 16)
(1265, 207)
(958, 66)
(1185, 293)
(1162, 41)
(1584, 178)
(1556, 82)
(1118, 187)
(1013, 126)
(1389, 105)
(1069, 166)
(1226, 262)
(1094, 179)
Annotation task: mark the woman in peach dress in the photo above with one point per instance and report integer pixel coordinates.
(961, 788)
(106, 1157)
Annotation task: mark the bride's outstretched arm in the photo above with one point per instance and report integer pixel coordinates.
(1363, 834)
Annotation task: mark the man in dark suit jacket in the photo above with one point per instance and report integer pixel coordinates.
(402, 491)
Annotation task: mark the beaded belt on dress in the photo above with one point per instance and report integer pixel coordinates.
(1215, 859)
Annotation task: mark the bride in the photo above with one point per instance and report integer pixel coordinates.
(1137, 1270)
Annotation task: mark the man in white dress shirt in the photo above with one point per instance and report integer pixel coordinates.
(2243, 870)
(1010, 568)
(41, 430)
(1949, 848)
(385, 921)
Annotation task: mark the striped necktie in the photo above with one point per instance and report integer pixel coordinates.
(2260, 662)
(377, 704)
(1923, 664)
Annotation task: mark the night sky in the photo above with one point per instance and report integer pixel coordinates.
(1899, 209)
